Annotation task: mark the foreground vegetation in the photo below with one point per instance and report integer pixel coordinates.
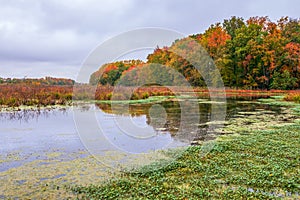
(262, 164)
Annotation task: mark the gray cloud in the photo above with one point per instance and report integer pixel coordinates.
(39, 38)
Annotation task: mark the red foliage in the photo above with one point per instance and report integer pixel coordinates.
(129, 69)
(110, 68)
(32, 94)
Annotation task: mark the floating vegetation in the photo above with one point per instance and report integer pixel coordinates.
(138, 101)
(259, 160)
(276, 101)
(10, 157)
(43, 179)
(264, 164)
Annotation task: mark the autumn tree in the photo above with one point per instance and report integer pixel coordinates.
(256, 53)
(109, 74)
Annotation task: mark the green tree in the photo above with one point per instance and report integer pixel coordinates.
(231, 72)
(283, 81)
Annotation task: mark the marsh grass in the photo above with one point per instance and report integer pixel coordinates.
(295, 97)
(16, 95)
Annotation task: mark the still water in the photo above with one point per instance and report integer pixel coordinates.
(28, 135)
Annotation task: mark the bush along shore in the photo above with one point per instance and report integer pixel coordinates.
(256, 161)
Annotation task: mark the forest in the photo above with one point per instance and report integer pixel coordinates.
(37, 81)
(256, 53)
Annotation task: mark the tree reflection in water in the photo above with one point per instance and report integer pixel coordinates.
(26, 115)
(166, 116)
(167, 111)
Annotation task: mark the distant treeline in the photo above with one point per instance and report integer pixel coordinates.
(254, 54)
(38, 81)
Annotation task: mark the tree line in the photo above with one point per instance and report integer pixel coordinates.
(255, 54)
(38, 81)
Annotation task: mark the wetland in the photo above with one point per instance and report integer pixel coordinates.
(43, 156)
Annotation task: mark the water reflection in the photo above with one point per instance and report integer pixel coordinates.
(26, 115)
(138, 128)
(27, 135)
(169, 113)
(172, 109)
(32, 133)
(202, 130)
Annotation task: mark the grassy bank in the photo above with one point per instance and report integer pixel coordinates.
(263, 164)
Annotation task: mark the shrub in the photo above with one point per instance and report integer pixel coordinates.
(293, 97)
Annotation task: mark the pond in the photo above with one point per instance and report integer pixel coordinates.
(38, 146)
(31, 134)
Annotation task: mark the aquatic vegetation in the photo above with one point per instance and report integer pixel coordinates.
(256, 156)
(247, 122)
(49, 178)
(137, 101)
(277, 101)
(296, 110)
(260, 160)
(264, 164)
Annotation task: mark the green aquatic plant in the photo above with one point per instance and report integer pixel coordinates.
(136, 101)
(264, 164)
(277, 101)
(296, 110)
(259, 160)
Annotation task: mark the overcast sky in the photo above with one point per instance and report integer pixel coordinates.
(52, 38)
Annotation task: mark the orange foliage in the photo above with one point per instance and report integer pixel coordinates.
(32, 94)
(217, 38)
(110, 68)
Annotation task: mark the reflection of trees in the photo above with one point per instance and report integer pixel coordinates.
(181, 127)
(173, 116)
(173, 121)
(172, 110)
(27, 115)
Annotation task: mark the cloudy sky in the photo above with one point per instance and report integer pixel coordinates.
(52, 38)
